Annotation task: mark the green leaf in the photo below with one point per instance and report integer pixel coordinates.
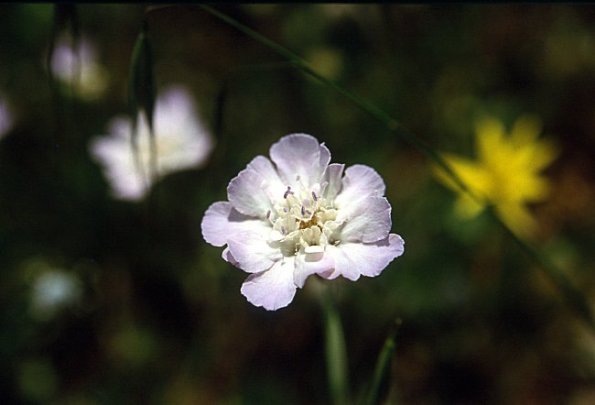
(382, 364)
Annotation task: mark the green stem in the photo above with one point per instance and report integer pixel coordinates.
(336, 354)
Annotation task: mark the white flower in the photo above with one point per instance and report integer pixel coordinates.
(54, 290)
(299, 215)
(6, 119)
(181, 142)
(79, 66)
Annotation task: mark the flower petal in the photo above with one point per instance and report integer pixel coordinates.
(272, 183)
(273, 288)
(332, 176)
(360, 181)
(221, 221)
(366, 221)
(355, 259)
(252, 252)
(309, 263)
(325, 157)
(247, 195)
(228, 257)
(300, 155)
(114, 155)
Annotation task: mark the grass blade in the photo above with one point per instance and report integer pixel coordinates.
(382, 364)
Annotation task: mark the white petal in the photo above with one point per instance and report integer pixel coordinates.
(272, 183)
(300, 155)
(368, 222)
(325, 157)
(182, 139)
(355, 259)
(308, 264)
(221, 221)
(360, 181)
(247, 195)
(332, 176)
(228, 257)
(273, 288)
(252, 252)
(114, 154)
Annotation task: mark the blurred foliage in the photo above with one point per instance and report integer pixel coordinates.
(159, 318)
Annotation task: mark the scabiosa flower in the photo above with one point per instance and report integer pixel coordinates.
(75, 62)
(181, 141)
(299, 215)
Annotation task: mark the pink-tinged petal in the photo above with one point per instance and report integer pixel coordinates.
(368, 222)
(299, 155)
(332, 176)
(221, 221)
(245, 192)
(228, 257)
(325, 157)
(252, 252)
(355, 259)
(311, 263)
(360, 181)
(271, 289)
(273, 185)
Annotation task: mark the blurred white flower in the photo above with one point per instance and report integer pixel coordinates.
(75, 62)
(53, 291)
(6, 118)
(181, 141)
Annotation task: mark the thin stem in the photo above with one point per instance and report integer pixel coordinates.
(336, 354)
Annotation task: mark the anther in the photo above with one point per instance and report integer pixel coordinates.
(287, 192)
(314, 196)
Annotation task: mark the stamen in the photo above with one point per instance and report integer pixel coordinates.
(314, 196)
(269, 214)
(303, 211)
(287, 192)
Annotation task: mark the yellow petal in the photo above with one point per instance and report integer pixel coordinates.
(525, 130)
(469, 172)
(518, 218)
(489, 138)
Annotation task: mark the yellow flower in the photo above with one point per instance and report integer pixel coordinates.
(506, 173)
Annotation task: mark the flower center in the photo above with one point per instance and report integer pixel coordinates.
(303, 220)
